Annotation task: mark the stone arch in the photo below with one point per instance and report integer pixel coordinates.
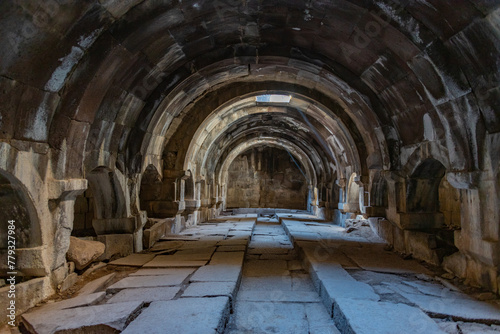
(16, 205)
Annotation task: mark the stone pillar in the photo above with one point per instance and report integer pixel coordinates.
(62, 195)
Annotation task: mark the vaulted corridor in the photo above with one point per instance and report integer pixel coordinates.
(138, 135)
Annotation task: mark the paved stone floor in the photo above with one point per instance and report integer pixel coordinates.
(282, 274)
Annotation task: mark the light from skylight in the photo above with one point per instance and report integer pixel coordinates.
(274, 98)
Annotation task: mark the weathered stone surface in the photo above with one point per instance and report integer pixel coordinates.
(117, 245)
(102, 318)
(79, 301)
(133, 260)
(146, 295)
(211, 289)
(265, 268)
(319, 320)
(164, 271)
(96, 285)
(332, 290)
(282, 296)
(235, 258)
(456, 306)
(217, 273)
(185, 315)
(162, 261)
(380, 317)
(84, 252)
(287, 318)
(148, 281)
(68, 282)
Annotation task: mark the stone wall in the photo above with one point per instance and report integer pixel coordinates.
(266, 178)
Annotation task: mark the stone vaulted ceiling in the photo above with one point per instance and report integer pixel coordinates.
(115, 82)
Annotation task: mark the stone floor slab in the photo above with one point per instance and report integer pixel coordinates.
(108, 318)
(134, 260)
(147, 282)
(319, 320)
(96, 284)
(456, 306)
(266, 283)
(211, 289)
(371, 317)
(268, 317)
(217, 273)
(331, 290)
(233, 258)
(279, 296)
(163, 271)
(79, 301)
(232, 248)
(166, 261)
(185, 315)
(146, 295)
(265, 268)
(374, 258)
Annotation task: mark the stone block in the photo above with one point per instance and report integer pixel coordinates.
(79, 301)
(117, 245)
(381, 318)
(217, 273)
(456, 263)
(147, 282)
(29, 261)
(456, 305)
(108, 318)
(84, 252)
(332, 290)
(422, 246)
(167, 261)
(68, 282)
(133, 260)
(28, 294)
(278, 296)
(96, 285)
(185, 315)
(399, 239)
(153, 234)
(146, 295)
(211, 289)
(114, 225)
(164, 271)
(235, 258)
(270, 317)
(420, 220)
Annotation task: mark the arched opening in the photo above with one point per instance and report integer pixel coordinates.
(17, 207)
(422, 193)
(266, 177)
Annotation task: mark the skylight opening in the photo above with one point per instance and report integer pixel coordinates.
(273, 98)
